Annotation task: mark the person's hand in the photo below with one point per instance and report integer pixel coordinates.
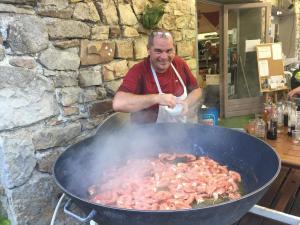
(185, 107)
(167, 100)
(293, 92)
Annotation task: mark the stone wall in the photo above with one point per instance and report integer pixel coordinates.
(60, 63)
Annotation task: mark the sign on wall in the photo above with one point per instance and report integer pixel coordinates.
(271, 67)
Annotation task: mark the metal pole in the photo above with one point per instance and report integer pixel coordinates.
(275, 215)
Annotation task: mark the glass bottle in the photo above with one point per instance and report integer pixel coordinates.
(266, 112)
(272, 124)
(286, 113)
(298, 120)
(260, 128)
(292, 119)
(279, 109)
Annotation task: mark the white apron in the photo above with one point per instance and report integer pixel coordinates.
(166, 114)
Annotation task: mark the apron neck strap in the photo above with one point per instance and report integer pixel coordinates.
(156, 79)
(157, 82)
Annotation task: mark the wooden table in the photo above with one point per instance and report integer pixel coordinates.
(287, 150)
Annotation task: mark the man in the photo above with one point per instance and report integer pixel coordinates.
(161, 88)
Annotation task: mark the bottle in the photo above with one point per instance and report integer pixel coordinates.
(279, 109)
(266, 112)
(272, 125)
(292, 119)
(260, 128)
(298, 120)
(286, 112)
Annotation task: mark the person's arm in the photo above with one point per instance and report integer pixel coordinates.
(293, 92)
(191, 100)
(194, 96)
(128, 102)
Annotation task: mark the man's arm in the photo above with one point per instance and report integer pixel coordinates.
(192, 100)
(128, 102)
(295, 91)
(194, 96)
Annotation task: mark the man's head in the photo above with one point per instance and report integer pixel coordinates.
(161, 50)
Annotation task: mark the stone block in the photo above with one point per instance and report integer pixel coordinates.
(25, 97)
(186, 49)
(62, 29)
(17, 160)
(69, 95)
(56, 59)
(127, 16)
(100, 32)
(86, 11)
(124, 49)
(140, 48)
(55, 136)
(64, 44)
(114, 32)
(25, 62)
(96, 52)
(90, 76)
(28, 35)
(130, 32)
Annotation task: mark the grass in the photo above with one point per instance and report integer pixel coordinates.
(236, 121)
(4, 221)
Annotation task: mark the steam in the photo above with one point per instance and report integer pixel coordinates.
(111, 148)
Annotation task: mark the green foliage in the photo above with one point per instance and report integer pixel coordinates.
(4, 221)
(152, 15)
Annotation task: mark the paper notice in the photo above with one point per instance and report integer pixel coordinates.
(251, 44)
(264, 52)
(263, 68)
(276, 50)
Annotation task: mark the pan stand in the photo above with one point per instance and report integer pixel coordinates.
(275, 215)
(267, 213)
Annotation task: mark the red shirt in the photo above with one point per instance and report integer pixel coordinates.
(139, 80)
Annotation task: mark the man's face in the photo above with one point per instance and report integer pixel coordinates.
(161, 53)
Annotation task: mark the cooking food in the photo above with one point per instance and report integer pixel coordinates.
(169, 182)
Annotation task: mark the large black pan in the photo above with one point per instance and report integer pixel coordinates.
(79, 166)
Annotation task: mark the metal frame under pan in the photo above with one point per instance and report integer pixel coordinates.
(257, 161)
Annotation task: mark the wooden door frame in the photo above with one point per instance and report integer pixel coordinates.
(224, 101)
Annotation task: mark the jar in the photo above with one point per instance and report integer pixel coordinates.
(260, 128)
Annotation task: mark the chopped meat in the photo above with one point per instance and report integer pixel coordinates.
(168, 182)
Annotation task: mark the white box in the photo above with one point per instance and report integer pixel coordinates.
(212, 79)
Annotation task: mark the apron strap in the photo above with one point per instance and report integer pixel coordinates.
(156, 80)
(180, 79)
(177, 74)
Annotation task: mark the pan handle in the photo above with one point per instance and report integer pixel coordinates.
(82, 220)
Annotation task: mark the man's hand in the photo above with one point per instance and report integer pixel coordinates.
(185, 107)
(167, 100)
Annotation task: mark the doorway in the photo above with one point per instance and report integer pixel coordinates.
(228, 70)
(209, 40)
(244, 26)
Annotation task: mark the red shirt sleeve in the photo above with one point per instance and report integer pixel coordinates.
(133, 81)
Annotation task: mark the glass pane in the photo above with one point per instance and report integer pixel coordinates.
(243, 24)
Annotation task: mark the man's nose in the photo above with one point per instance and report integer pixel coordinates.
(164, 55)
